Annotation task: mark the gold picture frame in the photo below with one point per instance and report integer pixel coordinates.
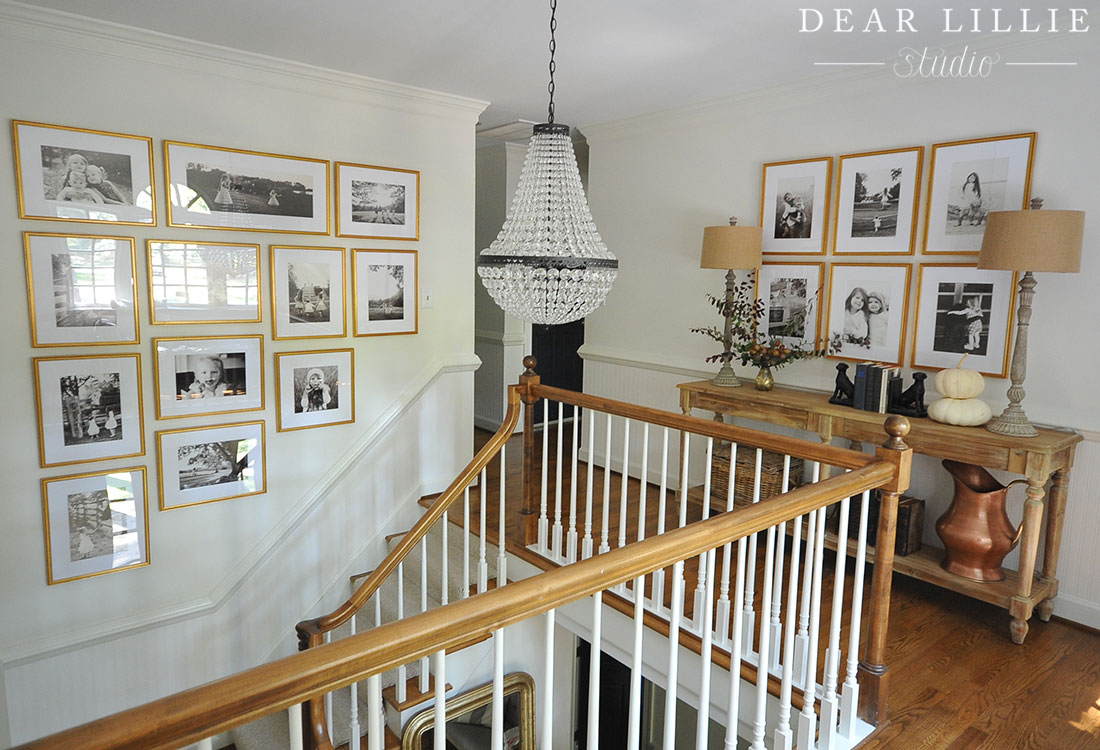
(203, 375)
(76, 297)
(519, 684)
(312, 305)
(381, 295)
(200, 465)
(853, 333)
(374, 203)
(116, 175)
(314, 389)
(181, 274)
(877, 201)
(813, 277)
(92, 512)
(794, 205)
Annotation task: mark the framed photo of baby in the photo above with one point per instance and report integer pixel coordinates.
(967, 180)
(877, 203)
(964, 310)
(794, 205)
(377, 202)
(868, 310)
(74, 174)
(212, 375)
(307, 292)
(95, 523)
(315, 388)
(206, 464)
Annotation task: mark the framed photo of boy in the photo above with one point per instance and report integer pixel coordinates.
(314, 389)
(211, 375)
(226, 188)
(964, 310)
(89, 408)
(95, 523)
(868, 310)
(877, 202)
(377, 203)
(794, 205)
(81, 289)
(203, 282)
(967, 180)
(385, 297)
(792, 293)
(74, 174)
(307, 292)
(207, 464)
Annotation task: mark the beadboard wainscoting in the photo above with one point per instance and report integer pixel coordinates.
(501, 357)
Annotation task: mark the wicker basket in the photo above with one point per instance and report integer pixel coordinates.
(771, 474)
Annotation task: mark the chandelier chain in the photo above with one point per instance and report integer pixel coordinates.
(553, 49)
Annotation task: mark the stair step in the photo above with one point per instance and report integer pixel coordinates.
(397, 535)
(358, 577)
(391, 741)
(489, 586)
(413, 696)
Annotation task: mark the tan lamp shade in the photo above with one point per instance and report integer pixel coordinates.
(1033, 241)
(732, 247)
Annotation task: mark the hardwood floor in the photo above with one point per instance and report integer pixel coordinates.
(956, 680)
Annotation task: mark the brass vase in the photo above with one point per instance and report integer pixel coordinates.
(764, 380)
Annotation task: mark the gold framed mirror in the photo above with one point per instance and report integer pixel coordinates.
(469, 718)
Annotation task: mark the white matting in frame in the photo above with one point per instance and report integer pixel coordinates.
(868, 310)
(207, 464)
(89, 408)
(877, 198)
(315, 388)
(794, 205)
(95, 524)
(209, 375)
(377, 202)
(385, 292)
(792, 294)
(203, 282)
(81, 289)
(73, 174)
(307, 292)
(964, 310)
(214, 187)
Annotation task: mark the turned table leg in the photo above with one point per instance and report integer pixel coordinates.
(1021, 607)
(1056, 516)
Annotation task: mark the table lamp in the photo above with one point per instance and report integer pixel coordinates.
(730, 248)
(1028, 241)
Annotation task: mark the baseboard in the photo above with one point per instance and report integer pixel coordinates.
(1080, 611)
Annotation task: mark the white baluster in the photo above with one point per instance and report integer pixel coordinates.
(294, 724)
(659, 575)
(353, 722)
(643, 491)
(555, 541)
(829, 702)
(722, 616)
(807, 720)
(586, 550)
(776, 629)
(207, 744)
(498, 690)
(328, 696)
(544, 525)
(594, 653)
(784, 739)
(733, 708)
(466, 544)
(677, 605)
(482, 562)
(634, 724)
(802, 641)
(546, 736)
(571, 536)
(702, 727)
(604, 547)
(502, 558)
(624, 482)
(760, 722)
(423, 683)
(700, 588)
(750, 578)
(375, 732)
(402, 674)
(445, 562)
(439, 709)
(849, 699)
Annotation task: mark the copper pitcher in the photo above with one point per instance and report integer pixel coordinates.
(976, 530)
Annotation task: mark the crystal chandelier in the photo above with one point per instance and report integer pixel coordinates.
(548, 264)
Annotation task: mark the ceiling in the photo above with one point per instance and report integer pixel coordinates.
(615, 58)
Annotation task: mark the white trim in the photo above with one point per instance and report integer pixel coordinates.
(68, 30)
(645, 361)
(33, 649)
(1075, 609)
(499, 338)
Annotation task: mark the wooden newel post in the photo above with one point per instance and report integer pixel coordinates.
(873, 676)
(530, 509)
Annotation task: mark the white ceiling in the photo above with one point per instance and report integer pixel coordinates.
(615, 58)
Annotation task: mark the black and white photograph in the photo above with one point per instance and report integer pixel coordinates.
(209, 375)
(793, 295)
(228, 188)
(89, 408)
(81, 289)
(868, 307)
(84, 175)
(877, 208)
(963, 310)
(95, 524)
(377, 202)
(203, 282)
(968, 180)
(315, 388)
(307, 292)
(207, 464)
(386, 292)
(795, 205)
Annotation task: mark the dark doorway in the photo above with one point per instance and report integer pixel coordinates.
(555, 350)
(614, 699)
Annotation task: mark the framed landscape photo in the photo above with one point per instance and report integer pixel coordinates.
(307, 292)
(89, 408)
(211, 375)
(206, 464)
(792, 293)
(877, 201)
(81, 289)
(74, 174)
(964, 310)
(377, 202)
(794, 207)
(868, 310)
(315, 389)
(203, 282)
(225, 188)
(95, 523)
(385, 292)
(967, 180)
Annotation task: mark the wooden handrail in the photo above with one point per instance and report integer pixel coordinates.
(826, 454)
(207, 710)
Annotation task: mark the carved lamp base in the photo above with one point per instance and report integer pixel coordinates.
(1012, 422)
(726, 377)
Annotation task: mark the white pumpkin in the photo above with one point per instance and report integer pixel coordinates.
(967, 412)
(958, 383)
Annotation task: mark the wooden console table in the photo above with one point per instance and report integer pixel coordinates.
(1046, 457)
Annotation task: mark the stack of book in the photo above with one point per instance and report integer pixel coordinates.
(877, 385)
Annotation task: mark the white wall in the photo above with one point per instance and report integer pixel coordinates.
(657, 181)
(227, 580)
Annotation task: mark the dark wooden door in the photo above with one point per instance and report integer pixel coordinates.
(555, 350)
